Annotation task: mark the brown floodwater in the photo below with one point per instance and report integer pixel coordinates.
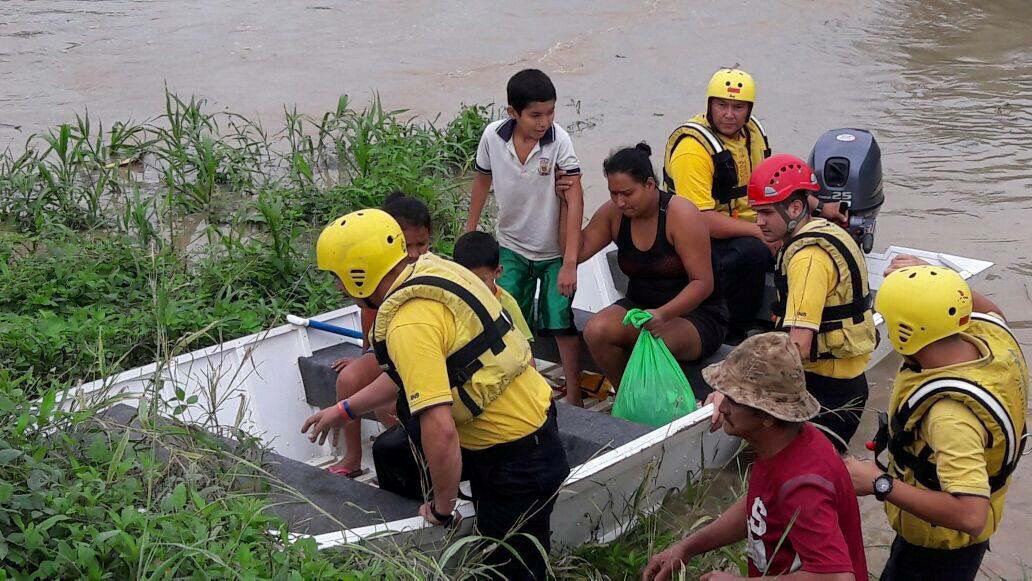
(945, 86)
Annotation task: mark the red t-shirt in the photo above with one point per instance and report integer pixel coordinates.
(808, 476)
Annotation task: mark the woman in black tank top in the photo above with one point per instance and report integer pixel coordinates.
(672, 278)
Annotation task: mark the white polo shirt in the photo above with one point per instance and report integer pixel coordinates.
(528, 210)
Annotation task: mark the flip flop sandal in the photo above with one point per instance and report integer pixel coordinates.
(559, 391)
(345, 472)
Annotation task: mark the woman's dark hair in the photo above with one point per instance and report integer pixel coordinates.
(410, 212)
(529, 86)
(633, 161)
(476, 250)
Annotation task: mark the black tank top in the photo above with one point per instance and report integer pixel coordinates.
(655, 275)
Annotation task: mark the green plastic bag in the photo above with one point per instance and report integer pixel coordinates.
(654, 390)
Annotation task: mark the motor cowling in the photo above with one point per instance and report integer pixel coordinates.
(848, 167)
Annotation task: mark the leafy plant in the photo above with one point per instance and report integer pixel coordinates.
(87, 291)
(101, 269)
(705, 497)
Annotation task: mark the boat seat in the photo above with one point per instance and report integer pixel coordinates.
(348, 501)
(586, 434)
(337, 500)
(319, 379)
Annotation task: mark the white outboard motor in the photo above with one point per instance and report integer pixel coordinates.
(848, 167)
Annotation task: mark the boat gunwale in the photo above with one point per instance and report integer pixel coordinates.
(579, 473)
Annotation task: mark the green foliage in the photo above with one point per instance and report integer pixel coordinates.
(80, 500)
(707, 495)
(124, 247)
(77, 307)
(627, 556)
(123, 241)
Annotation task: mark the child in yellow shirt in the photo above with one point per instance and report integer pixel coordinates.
(479, 252)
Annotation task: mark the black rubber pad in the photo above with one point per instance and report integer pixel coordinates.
(319, 378)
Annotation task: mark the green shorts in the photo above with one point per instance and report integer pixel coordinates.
(520, 276)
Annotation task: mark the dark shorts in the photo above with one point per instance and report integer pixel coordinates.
(710, 320)
(514, 488)
(740, 267)
(842, 403)
(913, 563)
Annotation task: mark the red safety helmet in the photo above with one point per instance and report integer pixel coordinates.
(778, 177)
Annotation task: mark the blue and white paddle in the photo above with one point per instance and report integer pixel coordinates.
(301, 322)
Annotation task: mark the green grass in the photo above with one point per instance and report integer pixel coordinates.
(682, 513)
(113, 242)
(129, 245)
(83, 497)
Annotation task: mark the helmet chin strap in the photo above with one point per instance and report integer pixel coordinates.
(790, 222)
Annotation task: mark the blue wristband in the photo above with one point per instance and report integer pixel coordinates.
(345, 407)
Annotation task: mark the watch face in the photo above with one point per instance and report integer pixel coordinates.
(882, 485)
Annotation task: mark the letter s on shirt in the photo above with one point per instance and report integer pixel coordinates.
(757, 521)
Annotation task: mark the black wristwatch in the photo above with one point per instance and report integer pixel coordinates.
(444, 519)
(816, 213)
(882, 486)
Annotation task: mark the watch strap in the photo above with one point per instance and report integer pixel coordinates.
(444, 519)
(816, 213)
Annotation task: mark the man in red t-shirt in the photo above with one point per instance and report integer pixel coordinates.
(800, 518)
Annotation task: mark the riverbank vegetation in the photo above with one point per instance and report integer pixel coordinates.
(129, 244)
(116, 241)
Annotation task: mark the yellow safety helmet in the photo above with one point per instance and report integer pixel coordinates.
(922, 304)
(734, 84)
(361, 248)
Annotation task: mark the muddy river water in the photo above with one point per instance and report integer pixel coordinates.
(945, 86)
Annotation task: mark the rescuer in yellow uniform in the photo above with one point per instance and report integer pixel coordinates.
(466, 382)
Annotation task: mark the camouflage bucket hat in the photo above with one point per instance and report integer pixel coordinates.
(766, 373)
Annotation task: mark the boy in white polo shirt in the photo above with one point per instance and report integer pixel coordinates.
(539, 236)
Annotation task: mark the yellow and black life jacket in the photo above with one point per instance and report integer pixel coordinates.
(847, 322)
(726, 186)
(489, 353)
(994, 388)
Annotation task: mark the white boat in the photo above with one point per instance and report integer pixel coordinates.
(269, 382)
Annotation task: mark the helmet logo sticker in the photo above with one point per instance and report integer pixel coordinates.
(769, 192)
(845, 137)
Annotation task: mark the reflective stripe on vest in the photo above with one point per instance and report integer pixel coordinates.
(901, 437)
(766, 142)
